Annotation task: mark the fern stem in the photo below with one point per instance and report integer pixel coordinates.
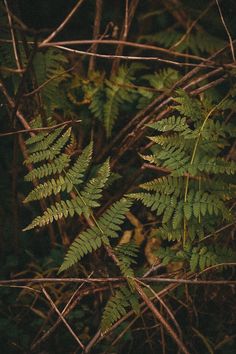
(194, 155)
(83, 201)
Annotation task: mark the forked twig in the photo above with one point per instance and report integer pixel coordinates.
(161, 319)
(62, 318)
(64, 22)
(227, 31)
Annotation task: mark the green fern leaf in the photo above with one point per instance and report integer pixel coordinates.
(118, 92)
(49, 152)
(51, 168)
(126, 254)
(76, 173)
(83, 203)
(117, 307)
(90, 240)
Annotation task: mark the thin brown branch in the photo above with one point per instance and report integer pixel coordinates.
(153, 279)
(96, 31)
(214, 266)
(11, 70)
(64, 22)
(193, 24)
(162, 302)
(62, 318)
(73, 301)
(118, 42)
(133, 58)
(11, 105)
(91, 290)
(49, 80)
(175, 9)
(13, 37)
(126, 24)
(161, 319)
(217, 231)
(208, 86)
(227, 31)
(68, 122)
(129, 14)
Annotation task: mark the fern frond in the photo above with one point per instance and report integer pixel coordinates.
(118, 92)
(175, 124)
(90, 240)
(48, 140)
(51, 151)
(166, 38)
(166, 185)
(215, 165)
(199, 257)
(87, 199)
(50, 168)
(74, 176)
(76, 173)
(97, 103)
(160, 203)
(204, 257)
(126, 254)
(43, 190)
(50, 67)
(117, 307)
(36, 138)
(188, 106)
(93, 189)
(197, 42)
(163, 79)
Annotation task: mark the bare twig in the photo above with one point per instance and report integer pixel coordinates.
(161, 319)
(133, 58)
(193, 24)
(13, 38)
(117, 42)
(11, 70)
(162, 302)
(129, 14)
(62, 318)
(11, 104)
(154, 279)
(49, 80)
(68, 122)
(214, 266)
(227, 31)
(64, 22)
(73, 301)
(96, 31)
(217, 231)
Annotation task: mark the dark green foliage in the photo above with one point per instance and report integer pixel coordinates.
(90, 240)
(199, 257)
(155, 134)
(194, 196)
(67, 180)
(117, 307)
(126, 254)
